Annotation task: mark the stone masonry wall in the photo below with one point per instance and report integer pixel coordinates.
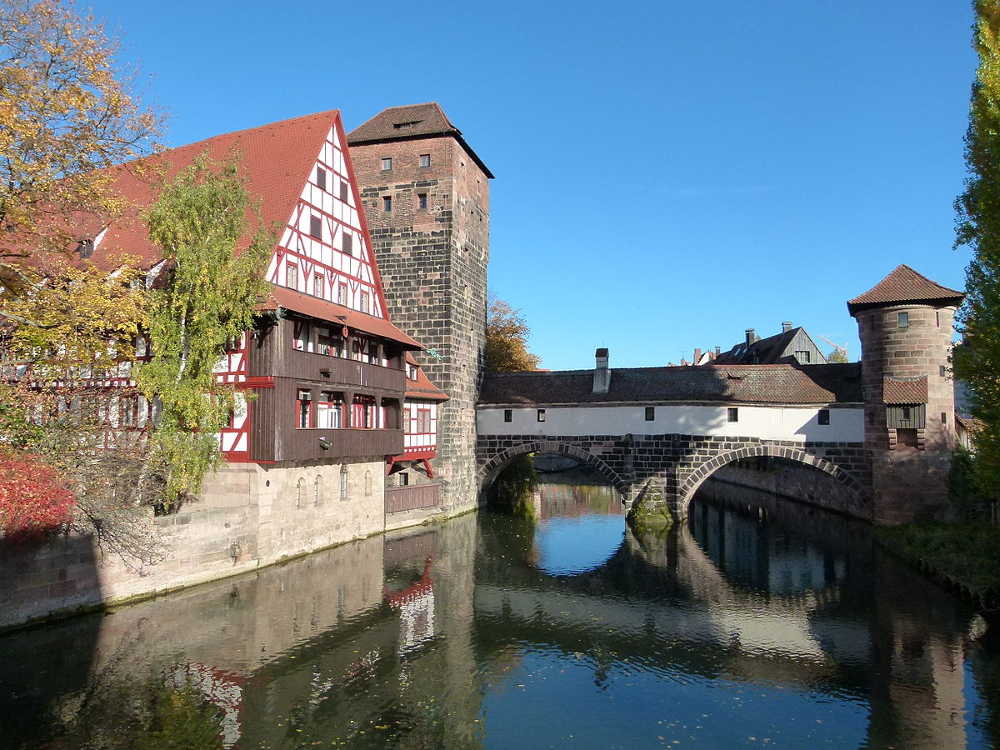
(248, 516)
(433, 264)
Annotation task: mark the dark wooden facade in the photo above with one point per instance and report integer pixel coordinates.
(279, 372)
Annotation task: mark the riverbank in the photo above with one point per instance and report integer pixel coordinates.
(965, 556)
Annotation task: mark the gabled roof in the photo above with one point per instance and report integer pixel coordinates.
(909, 391)
(422, 387)
(782, 384)
(409, 122)
(314, 307)
(904, 284)
(275, 160)
(767, 351)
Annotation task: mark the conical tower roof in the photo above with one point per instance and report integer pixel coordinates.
(904, 285)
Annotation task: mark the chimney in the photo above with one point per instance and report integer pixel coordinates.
(718, 351)
(697, 356)
(751, 336)
(786, 326)
(602, 376)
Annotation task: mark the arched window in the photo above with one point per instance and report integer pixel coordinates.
(318, 489)
(343, 482)
(368, 484)
(300, 492)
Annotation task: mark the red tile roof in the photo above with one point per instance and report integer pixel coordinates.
(323, 310)
(422, 387)
(897, 391)
(904, 285)
(275, 160)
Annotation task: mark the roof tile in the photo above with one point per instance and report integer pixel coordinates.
(900, 391)
(903, 285)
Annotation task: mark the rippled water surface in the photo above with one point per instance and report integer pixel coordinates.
(756, 624)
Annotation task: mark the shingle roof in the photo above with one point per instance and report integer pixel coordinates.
(897, 391)
(275, 160)
(408, 122)
(807, 384)
(766, 351)
(315, 307)
(903, 284)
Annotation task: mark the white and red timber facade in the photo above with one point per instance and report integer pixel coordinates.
(331, 399)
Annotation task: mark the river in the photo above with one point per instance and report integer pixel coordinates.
(759, 623)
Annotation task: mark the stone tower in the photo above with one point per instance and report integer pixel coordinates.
(905, 323)
(426, 196)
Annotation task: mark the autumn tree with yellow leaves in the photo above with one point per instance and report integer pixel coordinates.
(507, 339)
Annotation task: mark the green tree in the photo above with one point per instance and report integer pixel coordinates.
(978, 227)
(216, 262)
(836, 356)
(507, 339)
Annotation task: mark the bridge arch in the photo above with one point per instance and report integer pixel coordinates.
(854, 489)
(492, 468)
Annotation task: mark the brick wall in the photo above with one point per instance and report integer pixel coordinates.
(433, 263)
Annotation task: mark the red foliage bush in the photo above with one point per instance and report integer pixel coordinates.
(33, 500)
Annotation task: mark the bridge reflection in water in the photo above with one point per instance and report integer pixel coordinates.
(759, 622)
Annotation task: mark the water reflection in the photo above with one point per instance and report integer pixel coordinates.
(759, 623)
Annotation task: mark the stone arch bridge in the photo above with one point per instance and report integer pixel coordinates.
(644, 438)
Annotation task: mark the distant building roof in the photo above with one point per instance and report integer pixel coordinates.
(904, 285)
(900, 391)
(765, 384)
(422, 387)
(409, 122)
(770, 351)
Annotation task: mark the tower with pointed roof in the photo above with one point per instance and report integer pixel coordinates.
(905, 323)
(426, 196)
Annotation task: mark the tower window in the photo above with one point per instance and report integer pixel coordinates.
(541, 415)
(824, 416)
(650, 413)
(733, 414)
(903, 320)
(942, 371)
(508, 415)
(386, 163)
(321, 178)
(937, 318)
(944, 418)
(316, 227)
(906, 413)
(425, 160)
(387, 203)
(422, 201)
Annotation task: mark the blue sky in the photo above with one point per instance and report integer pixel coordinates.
(668, 174)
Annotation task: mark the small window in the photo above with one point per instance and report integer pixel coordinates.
(650, 413)
(341, 294)
(347, 243)
(387, 203)
(508, 415)
(318, 490)
(300, 491)
(316, 226)
(304, 417)
(942, 371)
(291, 276)
(944, 418)
(318, 286)
(422, 201)
(321, 178)
(541, 415)
(368, 484)
(386, 163)
(343, 482)
(906, 413)
(803, 357)
(343, 191)
(903, 320)
(824, 416)
(404, 479)
(937, 318)
(363, 303)
(733, 414)
(425, 160)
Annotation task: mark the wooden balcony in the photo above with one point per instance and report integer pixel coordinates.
(314, 444)
(413, 497)
(342, 372)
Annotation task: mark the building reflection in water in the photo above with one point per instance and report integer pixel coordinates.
(758, 618)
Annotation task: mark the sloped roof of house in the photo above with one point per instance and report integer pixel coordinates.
(409, 122)
(314, 307)
(766, 351)
(904, 284)
(274, 159)
(908, 391)
(765, 384)
(422, 387)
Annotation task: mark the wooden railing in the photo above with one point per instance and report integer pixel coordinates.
(412, 497)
